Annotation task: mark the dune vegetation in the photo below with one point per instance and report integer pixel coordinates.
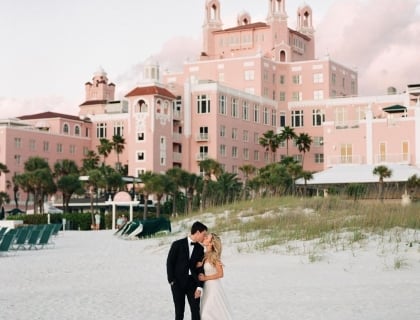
(306, 225)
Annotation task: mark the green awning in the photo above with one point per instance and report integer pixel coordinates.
(395, 109)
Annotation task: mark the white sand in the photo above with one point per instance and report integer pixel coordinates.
(95, 275)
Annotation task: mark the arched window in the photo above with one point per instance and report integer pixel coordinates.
(158, 106)
(77, 130)
(166, 107)
(141, 106)
(282, 56)
(66, 128)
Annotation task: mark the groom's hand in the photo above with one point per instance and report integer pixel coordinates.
(197, 293)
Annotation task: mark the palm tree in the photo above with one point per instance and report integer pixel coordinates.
(65, 167)
(177, 175)
(273, 179)
(255, 186)
(104, 148)
(307, 175)
(227, 187)
(147, 180)
(287, 134)
(4, 197)
(413, 183)
(90, 161)
(22, 181)
(270, 141)
(118, 145)
(3, 168)
(161, 184)
(113, 179)
(69, 185)
(67, 174)
(190, 182)
(383, 172)
(96, 180)
(209, 167)
(247, 170)
(39, 178)
(303, 142)
(295, 171)
(15, 190)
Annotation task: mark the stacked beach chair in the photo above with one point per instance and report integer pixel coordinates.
(28, 237)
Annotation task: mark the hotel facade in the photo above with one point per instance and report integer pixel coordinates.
(248, 79)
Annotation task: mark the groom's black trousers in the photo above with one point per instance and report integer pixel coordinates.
(179, 292)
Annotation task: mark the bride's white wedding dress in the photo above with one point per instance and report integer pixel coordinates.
(214, 305)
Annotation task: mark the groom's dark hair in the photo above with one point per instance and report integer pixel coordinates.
(198, 226)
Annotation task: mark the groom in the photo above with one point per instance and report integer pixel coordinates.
(182, 271)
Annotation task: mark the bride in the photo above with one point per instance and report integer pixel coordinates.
(214, 305)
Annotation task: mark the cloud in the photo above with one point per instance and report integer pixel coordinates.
(377, 37)
(171, 57)
(174, 53)
(16, 107)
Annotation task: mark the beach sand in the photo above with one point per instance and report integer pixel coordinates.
(96, 275)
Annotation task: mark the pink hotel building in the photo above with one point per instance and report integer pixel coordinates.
(248, 79)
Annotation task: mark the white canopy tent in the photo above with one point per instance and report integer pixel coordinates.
(122, 198)
(351, 173)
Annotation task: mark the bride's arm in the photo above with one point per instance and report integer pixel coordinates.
(217, 275)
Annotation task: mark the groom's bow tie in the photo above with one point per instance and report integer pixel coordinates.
(193, 243)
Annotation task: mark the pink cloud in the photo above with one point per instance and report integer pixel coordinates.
(172, 56)
(378, 37)
(15, 107)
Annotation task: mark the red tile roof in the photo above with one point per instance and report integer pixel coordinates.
(48, 115)
(258, 25)
(93, 102)
(150, 90)
(255, 25)
(299, 34)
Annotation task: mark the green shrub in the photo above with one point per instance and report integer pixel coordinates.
(74, 221)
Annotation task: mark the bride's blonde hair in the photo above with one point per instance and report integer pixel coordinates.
(214, 256)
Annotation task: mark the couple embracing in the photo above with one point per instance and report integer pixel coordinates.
(194, 269)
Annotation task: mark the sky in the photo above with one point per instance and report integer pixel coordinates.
(50, 48)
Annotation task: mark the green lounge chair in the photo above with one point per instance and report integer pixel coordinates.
(45, 237)
(21, 238)
(3, 231)
(57, 228)
(33, 238)
(7, 241)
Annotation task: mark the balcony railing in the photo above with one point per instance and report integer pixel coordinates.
(177, 157)
(347, 124)
(202, 137)
(402, 158)
(348, 159)
(177, 137)
(202, 156)
(177, 115)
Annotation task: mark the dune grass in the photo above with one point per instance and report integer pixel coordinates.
(306, 219)
(328, 222)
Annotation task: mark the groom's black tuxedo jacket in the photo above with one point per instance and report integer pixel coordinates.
(179, 263)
